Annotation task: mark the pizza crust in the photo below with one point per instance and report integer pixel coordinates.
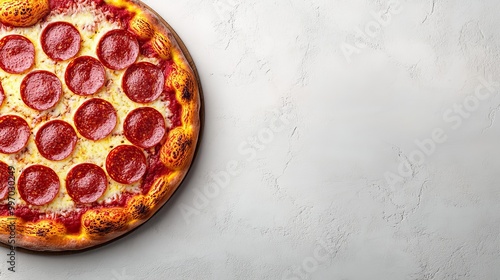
(103, 225)
(22, 13)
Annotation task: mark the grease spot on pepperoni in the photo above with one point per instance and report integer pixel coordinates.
(86, 183)
(145, 127)
(17, 54)
(56, 140)
(4, 180)
(61, 41)
(95, 119)
(143, 82)
(38, 185)
(126, 164)
(85, 75)
(14, 134)
(118, 49)
(41, 90)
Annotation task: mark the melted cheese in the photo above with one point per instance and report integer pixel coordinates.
(92, 25)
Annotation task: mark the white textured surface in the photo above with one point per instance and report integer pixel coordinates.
(309, 197)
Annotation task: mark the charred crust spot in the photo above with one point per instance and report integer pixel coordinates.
(43, 229)
(186, 94)
(177, 149)
(182, 81)
(140, 210)
(42, 232)
(104, 222)
(103, 228)
(139, 207)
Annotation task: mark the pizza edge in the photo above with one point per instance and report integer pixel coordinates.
(100, 226)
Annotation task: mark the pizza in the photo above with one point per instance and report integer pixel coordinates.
(99, 120)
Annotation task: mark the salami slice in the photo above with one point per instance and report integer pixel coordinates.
(17, 54)
(85, 75)
(38, 185)
(126, 164)
(86, 183)
(145, 127)
(4, 180)
(61, 41)
(14, 134)
(95, 119)
(41, 90)
(118, 49)
(143, 82)
(56, 140)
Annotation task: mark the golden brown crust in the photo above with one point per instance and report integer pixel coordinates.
(142, 27)
(161, 45)
(23, 13)
(102, 225)
(101, 222)
(176, 152)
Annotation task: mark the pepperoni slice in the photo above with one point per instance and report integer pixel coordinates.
(56, 140)
(145, 127)
(85, 75)
(4, 180)
(38, 185)
(17, 54)
(95, 119)
(14, 134)
(41, 90)
(61, 41)
(143, 82)
(86, 183)
(118, 49)
(126, 164)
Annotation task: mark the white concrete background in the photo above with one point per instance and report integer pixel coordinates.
(311, 200)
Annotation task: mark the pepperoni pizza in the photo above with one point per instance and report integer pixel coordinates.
(99, 120)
